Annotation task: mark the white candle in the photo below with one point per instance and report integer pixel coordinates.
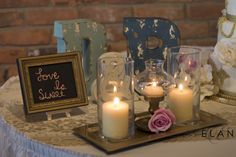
(181, 103)
(115, 119)
(153, 90)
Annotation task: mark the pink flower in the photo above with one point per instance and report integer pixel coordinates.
(182, 58)
(161, 120)
(189, 63)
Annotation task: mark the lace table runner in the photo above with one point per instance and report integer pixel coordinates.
(59, 132)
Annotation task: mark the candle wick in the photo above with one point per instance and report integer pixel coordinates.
(154, 84)
(115, 89)
(116, 101)
(181, 87)
(186, 78)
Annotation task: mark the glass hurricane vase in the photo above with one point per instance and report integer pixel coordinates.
(115, 90)
(152, 83)
(183, 64)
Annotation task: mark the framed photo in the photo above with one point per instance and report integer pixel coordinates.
(52, 82)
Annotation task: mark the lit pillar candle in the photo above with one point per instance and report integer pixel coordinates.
(115, 119)
(181, 103)
(153, 90)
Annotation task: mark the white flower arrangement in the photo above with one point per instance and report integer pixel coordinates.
(208, 88)
(225, 51)
(206, 73)
(206, 81)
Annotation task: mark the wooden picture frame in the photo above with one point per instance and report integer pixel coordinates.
(52, 82)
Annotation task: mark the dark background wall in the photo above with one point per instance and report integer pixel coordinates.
(26, 26)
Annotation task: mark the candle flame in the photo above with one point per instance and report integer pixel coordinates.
(154, 84)
(181, 87)
(185, 78)
(189, 62)
(115, 89)
(116, 101)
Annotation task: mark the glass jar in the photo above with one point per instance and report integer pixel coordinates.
(183, 64)
(152, 83)
(115, 90)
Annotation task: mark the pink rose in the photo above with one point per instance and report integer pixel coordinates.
(161, 120)
(189, 63)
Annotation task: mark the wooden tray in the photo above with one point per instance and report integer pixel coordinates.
(91, 135)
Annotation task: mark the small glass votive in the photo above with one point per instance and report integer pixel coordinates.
(152, 82)
(183, 64)
(115, 89)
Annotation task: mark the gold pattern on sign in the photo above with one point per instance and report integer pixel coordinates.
(172, 31)
(64, 31)
(140, 51)
(77, 28)
(164, 53)
(94, 26)
(141, 23)
(126, 29)
(155, 23)
(88, 25)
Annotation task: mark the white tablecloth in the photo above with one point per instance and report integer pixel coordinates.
(19, 138)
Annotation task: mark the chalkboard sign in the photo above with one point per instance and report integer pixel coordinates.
(52, 82)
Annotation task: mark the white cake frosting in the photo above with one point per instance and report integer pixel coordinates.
(224, 54)
(224, 57)
(227, 22)
(230, 7)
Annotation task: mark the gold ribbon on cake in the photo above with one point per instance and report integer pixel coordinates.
(218, 75)
(220, 25)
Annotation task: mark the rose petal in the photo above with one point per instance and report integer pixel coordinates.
(161, 120)
(182, 58)
(168, 112)
(152, 127)
(166, 123)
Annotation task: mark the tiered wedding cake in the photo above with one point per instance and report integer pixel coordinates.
(227, 23)
(224, 54)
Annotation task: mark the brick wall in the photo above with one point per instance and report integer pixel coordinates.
(26, 26)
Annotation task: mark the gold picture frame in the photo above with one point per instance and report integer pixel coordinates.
(46, 83)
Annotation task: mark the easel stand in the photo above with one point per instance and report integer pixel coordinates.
(57, 112)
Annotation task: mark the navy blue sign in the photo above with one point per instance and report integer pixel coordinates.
(148, 38)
